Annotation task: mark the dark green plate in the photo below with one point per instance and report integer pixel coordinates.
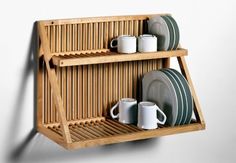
(176, 31)
(180, 107)
(184, 95)
(188, 93)
(171, 30)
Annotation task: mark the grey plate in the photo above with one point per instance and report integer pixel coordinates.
(176, 31)
(184, 95)
(188, 93)
(157, 26)
(180, 109)
(172, 32)
(157, 88)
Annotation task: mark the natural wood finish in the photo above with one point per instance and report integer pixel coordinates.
(52, 80)
(111, 57)
(79, 79)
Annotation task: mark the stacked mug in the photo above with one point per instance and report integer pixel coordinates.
(128, 44)
(144, 114)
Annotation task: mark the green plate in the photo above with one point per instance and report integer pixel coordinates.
(188, 93)
(171, 30)
(179, 96)
(176, 31)
(184, 95)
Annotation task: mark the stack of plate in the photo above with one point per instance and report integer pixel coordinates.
(166, 30)
(170, 91)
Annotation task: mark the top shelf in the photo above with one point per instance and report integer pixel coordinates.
(104, 56)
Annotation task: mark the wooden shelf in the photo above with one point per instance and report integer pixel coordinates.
(74, 96)
(76, 58)
(108, 131)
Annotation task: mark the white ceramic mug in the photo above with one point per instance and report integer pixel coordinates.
(125, 44)
(147, 115)
(147, 43)
(127, 110)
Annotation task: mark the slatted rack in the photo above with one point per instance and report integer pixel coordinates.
(79, 79)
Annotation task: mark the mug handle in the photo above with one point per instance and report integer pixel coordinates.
(111, 43)
(112, 110)
(163, 114)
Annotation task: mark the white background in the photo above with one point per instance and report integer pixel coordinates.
(207, 30)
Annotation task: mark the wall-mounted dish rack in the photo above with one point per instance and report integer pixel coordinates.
(79, 79)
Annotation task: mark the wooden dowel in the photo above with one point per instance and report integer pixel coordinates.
(85, 92)
(80, 92)
(95, 91)
(64, 89)
(100, 89)
(90, 97)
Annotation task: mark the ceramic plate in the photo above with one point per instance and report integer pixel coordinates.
(184, 95)
(172, 32)
(157, 88)
(180, 109)
(189, 95)
(158, 27)
(176, 31)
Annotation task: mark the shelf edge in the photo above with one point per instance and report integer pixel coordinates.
(115, 57)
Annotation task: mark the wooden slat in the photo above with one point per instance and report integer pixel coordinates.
(100, 89)
(80, 92)
(111, 57)
(90, 93)
(85, 92)
(105, 91)
(95, 91)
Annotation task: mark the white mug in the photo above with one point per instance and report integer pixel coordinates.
(127, 111)
(147, 43)
(147, 115)
(125, 44)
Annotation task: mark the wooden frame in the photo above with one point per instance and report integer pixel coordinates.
(79, 79)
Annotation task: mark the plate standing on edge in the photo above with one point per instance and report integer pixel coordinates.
(176, 31)
(157, 26)
(157, 88)
(180, 109)
(188, 93)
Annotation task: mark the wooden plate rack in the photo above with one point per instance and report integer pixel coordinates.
(79, 79)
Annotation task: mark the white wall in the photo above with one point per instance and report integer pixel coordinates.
(207, 30)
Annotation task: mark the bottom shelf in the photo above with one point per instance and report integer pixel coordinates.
(100, 132)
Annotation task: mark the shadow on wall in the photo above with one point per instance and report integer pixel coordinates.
(14, 152)
(38, 147)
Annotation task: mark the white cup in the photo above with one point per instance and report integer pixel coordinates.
(147, 115)
(125, 44)
(127, 111)
(147, 43)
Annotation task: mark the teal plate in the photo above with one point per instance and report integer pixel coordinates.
(180, 108)
(188, 93)
(184, 94)
(171, 30)
(176, 31)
